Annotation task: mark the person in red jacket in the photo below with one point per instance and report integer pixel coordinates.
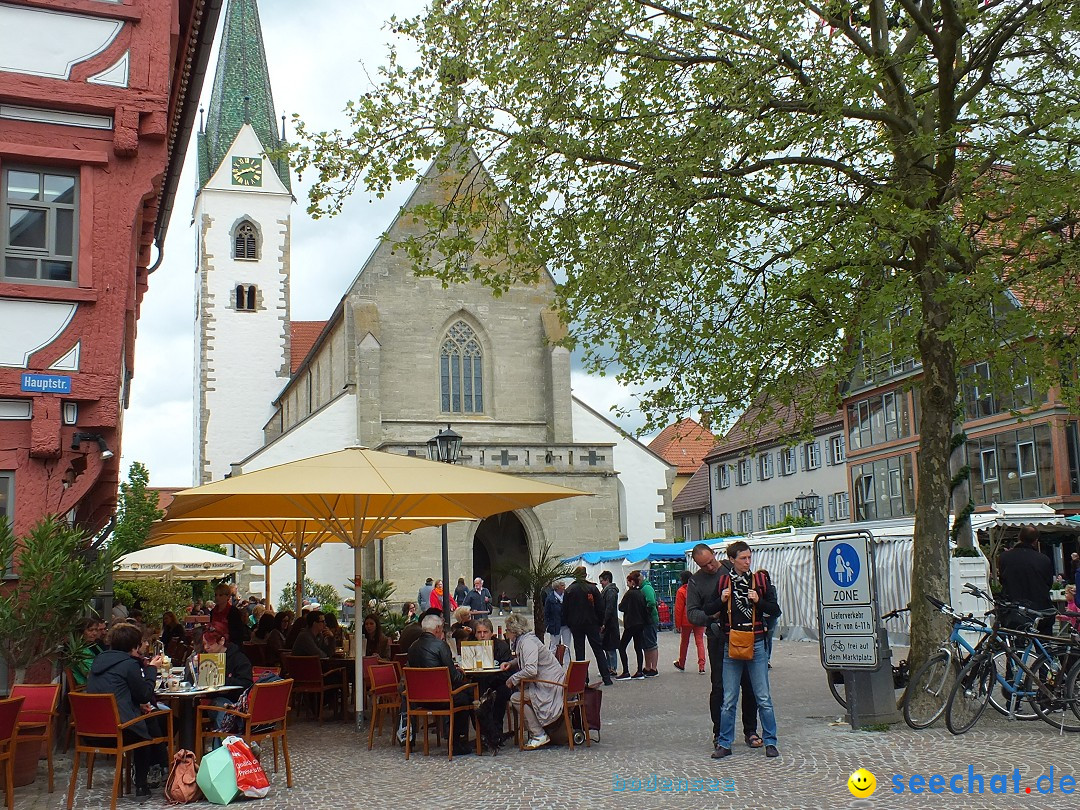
(683, 626)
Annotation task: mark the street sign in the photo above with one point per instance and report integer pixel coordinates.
(847, 609)
(46, 383)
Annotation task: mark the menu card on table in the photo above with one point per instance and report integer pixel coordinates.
(477, 655)
(211, 670)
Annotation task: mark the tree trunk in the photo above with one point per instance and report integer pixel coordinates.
(930, 562)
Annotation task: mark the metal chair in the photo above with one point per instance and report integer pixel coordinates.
(428, 694)
(9, 715)
(97, 723)
(384, 697)
(35, 724)
(266, 719)
(309, 679)
(573, 698)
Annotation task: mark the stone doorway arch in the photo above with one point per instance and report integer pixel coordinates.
(501, 541)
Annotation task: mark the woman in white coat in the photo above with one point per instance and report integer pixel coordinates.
(533, 660)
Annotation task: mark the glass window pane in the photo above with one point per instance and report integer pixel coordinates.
(468, 379)
(59, 188)
(455, 384)
(20, 268)
(27, 228)
(65, 232)
(23, 185)
(444, 370)
(54, 270)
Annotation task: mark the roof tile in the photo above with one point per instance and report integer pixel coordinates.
(684, 445)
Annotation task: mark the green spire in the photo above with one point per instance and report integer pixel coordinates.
(241, 94)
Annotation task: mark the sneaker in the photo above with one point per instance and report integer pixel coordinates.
(678, 666)
(720, 752)
(623, 676)
(651, 673)
(771, 751)
(701, 670)
(537, 742)
(638, 676)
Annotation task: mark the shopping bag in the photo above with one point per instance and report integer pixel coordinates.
(250, 777)
(217, 777)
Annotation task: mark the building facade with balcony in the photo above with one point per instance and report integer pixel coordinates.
(97, 101)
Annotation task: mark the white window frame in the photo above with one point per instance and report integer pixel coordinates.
(723, 476)
(789, 461)
(726, 522)
(765, 466)
(746, 521)
(812, 455)
(1020, 467)
(745, 473)
(686, 528)
(787, 509)
(843, 506)
(990, 452)
(836, 449)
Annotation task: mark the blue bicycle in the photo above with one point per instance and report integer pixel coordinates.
(929, 688)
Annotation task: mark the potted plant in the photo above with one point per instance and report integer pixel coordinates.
(51, 574)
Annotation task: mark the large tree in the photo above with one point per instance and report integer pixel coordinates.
(738, 197)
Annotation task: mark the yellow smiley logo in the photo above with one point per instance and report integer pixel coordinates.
(862, 783)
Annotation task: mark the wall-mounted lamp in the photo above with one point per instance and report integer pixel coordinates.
(79, 438)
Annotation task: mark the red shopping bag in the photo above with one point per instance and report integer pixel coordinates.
(250, 777)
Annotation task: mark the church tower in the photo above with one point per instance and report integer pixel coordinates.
(242, 212)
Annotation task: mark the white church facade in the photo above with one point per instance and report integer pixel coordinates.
(399, 358)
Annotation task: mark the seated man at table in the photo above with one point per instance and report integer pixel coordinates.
(483, 631)
(314, 639)
(120, 671)
(431, 650)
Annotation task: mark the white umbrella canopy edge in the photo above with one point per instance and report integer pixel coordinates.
(177, 562)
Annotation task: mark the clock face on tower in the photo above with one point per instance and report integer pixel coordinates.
(247, 171)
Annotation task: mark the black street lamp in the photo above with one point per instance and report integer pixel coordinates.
(445, 448)
(806, 504)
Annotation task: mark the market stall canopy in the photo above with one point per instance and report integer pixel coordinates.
(360, 495)
(176, 562)
(650, 552)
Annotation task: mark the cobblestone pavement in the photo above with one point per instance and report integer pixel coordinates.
(660, 727)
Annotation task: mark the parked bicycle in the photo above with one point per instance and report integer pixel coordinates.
(900, 673)
(1040, 671)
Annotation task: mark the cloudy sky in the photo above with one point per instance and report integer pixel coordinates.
(320, 55)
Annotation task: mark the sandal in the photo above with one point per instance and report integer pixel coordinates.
(754, 741)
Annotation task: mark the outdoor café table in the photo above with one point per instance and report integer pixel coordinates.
(187, 699)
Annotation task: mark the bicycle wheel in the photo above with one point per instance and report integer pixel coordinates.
(836, 688)
(1001, 699)
(970, 694)
(1058, 708)
(928, 691)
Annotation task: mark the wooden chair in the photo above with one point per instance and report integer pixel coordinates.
(9, 715)
(97, 724)
(266, 719)
(384, 697)
(428, 694)
(573, 698)
(309, 679)
(70, 686)
(35, 724)
(256, 653)
(560, 653)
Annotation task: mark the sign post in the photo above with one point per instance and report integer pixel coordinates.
(851, 637)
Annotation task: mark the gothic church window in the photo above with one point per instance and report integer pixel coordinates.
(245, 241)
(461, 371)
(246, 297)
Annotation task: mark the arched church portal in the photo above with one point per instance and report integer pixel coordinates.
(499, 543)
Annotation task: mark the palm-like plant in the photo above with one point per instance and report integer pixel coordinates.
(541, 571)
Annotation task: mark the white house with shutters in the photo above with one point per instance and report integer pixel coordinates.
(756, 479)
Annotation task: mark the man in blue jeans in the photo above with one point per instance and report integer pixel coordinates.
(746, 600)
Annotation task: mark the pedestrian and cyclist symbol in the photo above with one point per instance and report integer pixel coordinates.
(844, 565)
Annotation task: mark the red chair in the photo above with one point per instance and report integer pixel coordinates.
(35, 723)
(306, 672)
(560, 653)
(266, 719)
(384, 697)
(256, 653)
(573, 698)
(428, 694)
(257, 672)
(97, 724)
(9, 715)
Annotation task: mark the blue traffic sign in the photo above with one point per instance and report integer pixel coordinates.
(844, 565)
